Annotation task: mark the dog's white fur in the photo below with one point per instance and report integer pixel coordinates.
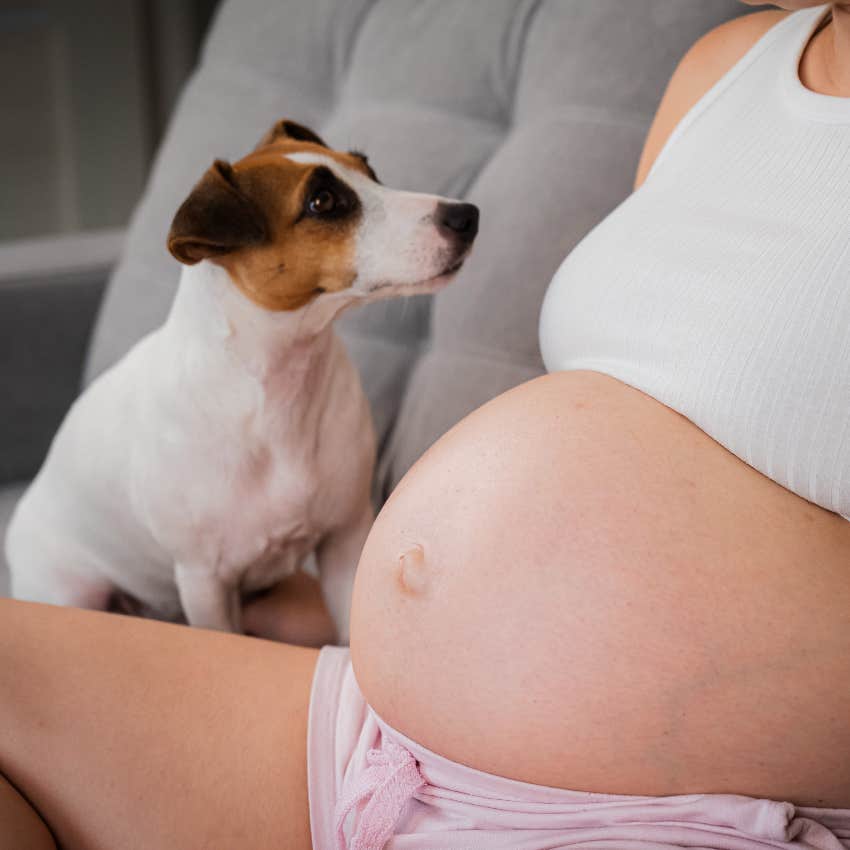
(228, 445)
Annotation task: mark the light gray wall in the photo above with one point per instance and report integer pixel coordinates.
(88, 85)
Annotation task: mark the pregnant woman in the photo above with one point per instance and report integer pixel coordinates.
(609, 609)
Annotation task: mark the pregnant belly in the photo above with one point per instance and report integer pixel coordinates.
(601, 597)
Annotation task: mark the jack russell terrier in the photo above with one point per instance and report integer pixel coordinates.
(235, 441)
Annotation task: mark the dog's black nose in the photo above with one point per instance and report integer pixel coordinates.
(459, 221)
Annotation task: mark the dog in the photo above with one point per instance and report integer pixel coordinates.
(235, 441)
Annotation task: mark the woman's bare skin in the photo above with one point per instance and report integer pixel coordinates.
(136, 734)
(21, 828)
(131, 733)
(605, 582)
(292, 612)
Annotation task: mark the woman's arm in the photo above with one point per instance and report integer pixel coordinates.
(700, 68)
(293, 611)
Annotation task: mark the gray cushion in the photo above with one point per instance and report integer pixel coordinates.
(536, 111)
(9, 495)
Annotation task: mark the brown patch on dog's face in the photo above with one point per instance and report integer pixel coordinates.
(285, 231)
(312, 219)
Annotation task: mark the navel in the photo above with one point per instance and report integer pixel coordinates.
(412, 572)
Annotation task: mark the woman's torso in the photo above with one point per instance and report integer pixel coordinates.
(612, 601)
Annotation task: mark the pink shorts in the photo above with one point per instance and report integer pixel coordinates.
(372, 788)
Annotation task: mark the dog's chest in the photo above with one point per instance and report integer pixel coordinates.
(253, 488)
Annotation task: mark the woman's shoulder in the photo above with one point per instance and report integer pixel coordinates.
(699, 69)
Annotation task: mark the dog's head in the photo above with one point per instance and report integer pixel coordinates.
(294, 220)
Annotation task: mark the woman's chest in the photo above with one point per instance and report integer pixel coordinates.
(730, 306)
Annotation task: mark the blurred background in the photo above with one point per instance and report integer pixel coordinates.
(534, 109)
(87, 88)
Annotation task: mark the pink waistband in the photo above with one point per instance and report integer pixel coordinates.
(390, 786)
(386, 787)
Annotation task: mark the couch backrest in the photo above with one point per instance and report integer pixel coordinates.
(536, 110)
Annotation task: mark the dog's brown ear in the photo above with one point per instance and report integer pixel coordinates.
(286, 129)
(217, 218)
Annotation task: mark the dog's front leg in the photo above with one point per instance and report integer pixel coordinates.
(208, 602)
(337, 556)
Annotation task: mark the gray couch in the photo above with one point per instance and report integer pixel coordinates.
(536, 110)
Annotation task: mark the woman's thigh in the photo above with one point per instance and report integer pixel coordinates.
(136, 734)
(20, 826)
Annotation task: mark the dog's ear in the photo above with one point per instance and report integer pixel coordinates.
(217, 218)
(286, 129)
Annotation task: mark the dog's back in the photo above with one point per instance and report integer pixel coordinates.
(71, 530)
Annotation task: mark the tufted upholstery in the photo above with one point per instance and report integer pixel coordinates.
(534, 109)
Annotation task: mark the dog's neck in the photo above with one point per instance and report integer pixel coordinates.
(210, 313)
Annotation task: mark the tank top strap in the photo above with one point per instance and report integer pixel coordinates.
(785, 43)
(804, 102)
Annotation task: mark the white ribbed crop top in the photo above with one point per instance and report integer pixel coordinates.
(721, 287)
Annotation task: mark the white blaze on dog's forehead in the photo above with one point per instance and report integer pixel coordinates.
(306, 157)
(350, 175)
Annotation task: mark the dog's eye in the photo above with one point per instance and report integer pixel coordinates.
(322, 202)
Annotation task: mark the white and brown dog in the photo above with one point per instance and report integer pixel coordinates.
(235, 440)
